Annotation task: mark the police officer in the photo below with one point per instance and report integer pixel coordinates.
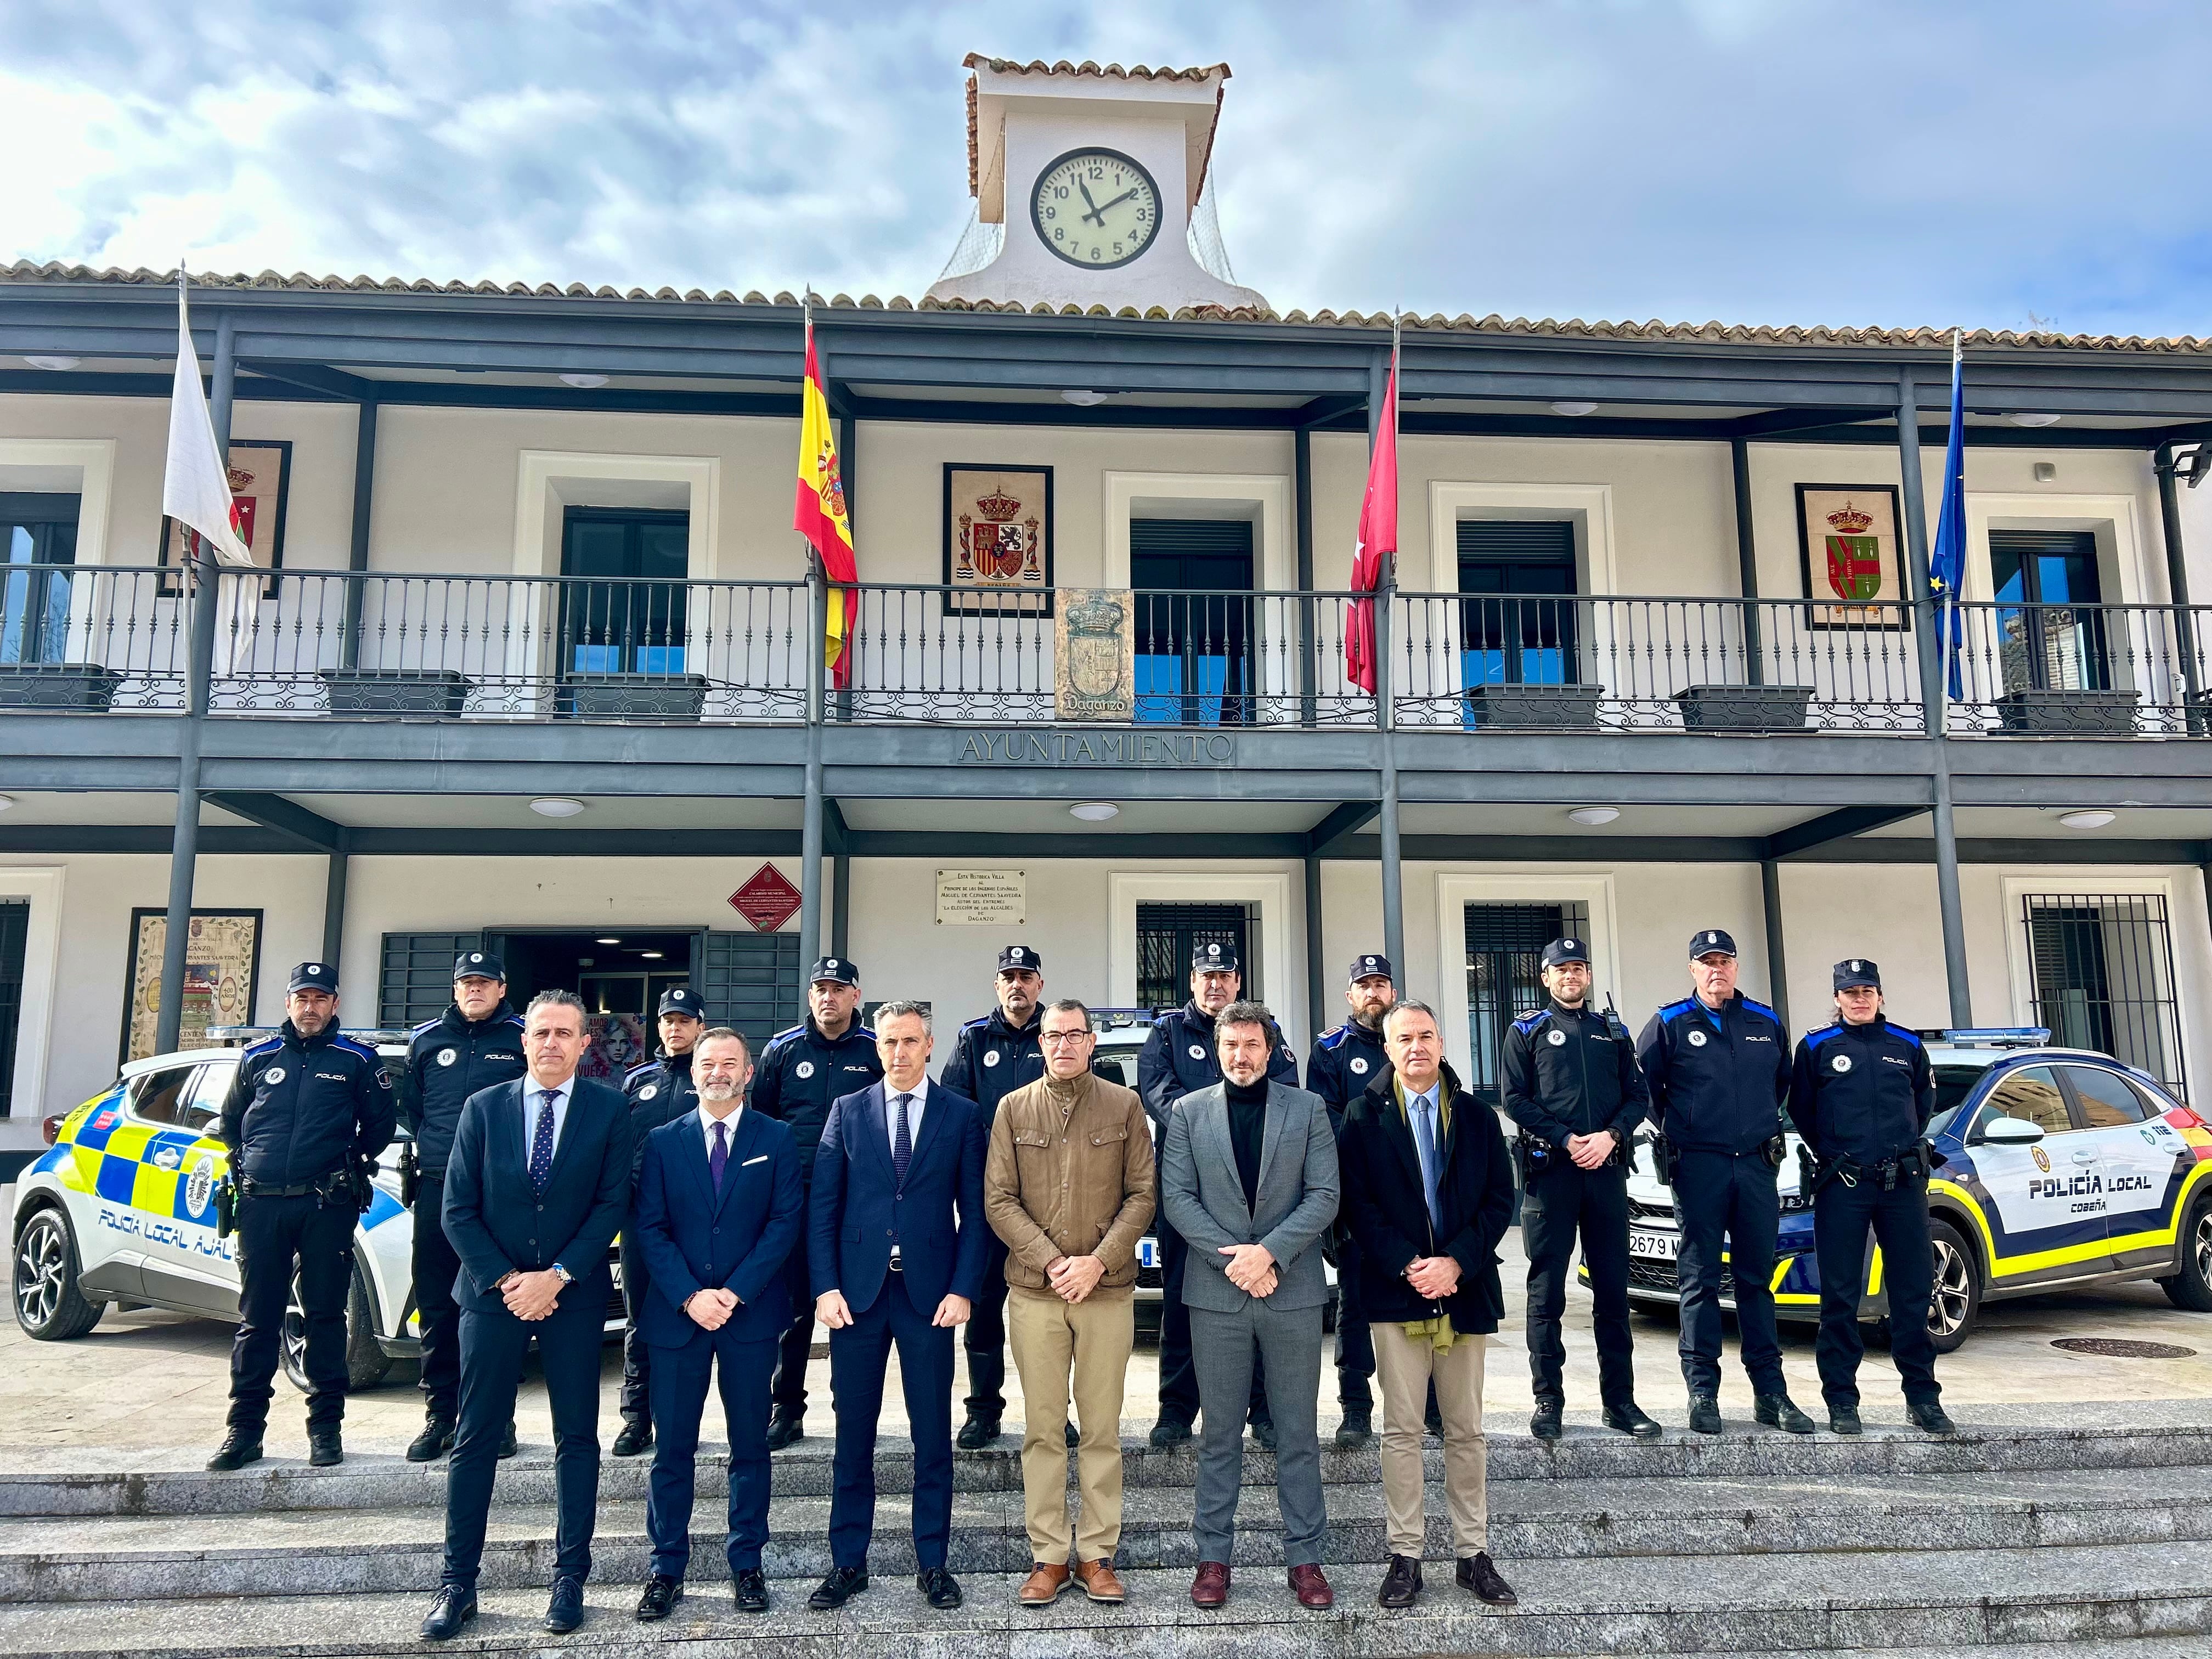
(476, 1043)
(1347, 1060)
(1177, 1059)
(828, 1055)
(991, 1058)
(1861, 1093)
(1569, 1079)
(658, 1091)
(308, 1111)
(1718, 1068)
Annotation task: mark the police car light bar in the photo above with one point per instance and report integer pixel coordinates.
(1992, 1036)
(244, 1034)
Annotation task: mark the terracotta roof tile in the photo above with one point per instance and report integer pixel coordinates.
(975, 60)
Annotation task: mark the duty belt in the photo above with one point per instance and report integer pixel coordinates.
(256, 1189)
(898, 1266)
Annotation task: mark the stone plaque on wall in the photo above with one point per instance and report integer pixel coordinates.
(973, 898)
(1094, 654)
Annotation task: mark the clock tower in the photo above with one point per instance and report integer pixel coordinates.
(1093, 173)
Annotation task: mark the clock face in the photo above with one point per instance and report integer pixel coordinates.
(1095, 209)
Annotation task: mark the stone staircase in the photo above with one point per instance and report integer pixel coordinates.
(2004, 1541)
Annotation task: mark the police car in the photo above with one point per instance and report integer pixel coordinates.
(120, 1211)
(2061, 1167)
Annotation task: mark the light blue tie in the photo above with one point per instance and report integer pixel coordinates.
(1425, 1142)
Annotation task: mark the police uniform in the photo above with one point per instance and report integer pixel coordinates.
(1179, 1059)
(1346, 1061)
(448, 1060)
(658, 1091)
(302, 1113)
(1862, 1096)
(800, 1072)
(1566, 1072)
(1718, 1077)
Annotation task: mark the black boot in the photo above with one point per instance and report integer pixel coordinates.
(1357, 1428)
(1929, 1416)
(1171, 1433)
(636, 1435)
(508, 1445)
(1704, 1414)
(436, 1440)
(239, 1447)
(1778, 1411)
(1544, 1421)
(1630, 1418)
(977, 1432)
(325, 1446)
(784, 1428)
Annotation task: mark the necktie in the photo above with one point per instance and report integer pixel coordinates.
(541, 1143)
(719, 1159)
(902, 1142)
(1425, 1141)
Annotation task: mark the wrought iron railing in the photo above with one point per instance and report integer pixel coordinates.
(92, 637)
(2083, 670)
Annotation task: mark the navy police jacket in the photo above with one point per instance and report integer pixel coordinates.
(1718, 1077)
(1179, 1059)
(801, 1072)
(658, 1091)
(1861, 1092)
(1345, 1063)
(1562, 1071)
(991, 1059)
(298, 1107)
(448, 1060)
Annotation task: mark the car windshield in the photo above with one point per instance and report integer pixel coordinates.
(1952, 1084)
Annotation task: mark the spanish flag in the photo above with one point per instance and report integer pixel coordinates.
(818, 514)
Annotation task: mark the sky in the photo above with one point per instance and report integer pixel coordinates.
(2033, 163)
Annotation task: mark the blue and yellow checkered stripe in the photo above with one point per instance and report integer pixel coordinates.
(143, 1165)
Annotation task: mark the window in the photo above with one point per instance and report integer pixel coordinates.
(2031, 1095)
(2103, 968)
(158, 1097)
(38, 544)
(632, 623)
(2050, 633)
(1525, 635)
(1168, 935)
(210, 1090)
(1195, 622)
(14, 934)
(2107, 1101)
(1504, 959)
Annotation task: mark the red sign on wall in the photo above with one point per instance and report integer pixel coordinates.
(766, 900)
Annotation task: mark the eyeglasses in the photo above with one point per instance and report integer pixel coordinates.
(1061, 1039)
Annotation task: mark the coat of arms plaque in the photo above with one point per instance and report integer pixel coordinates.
(1096, 651)
(998, 538)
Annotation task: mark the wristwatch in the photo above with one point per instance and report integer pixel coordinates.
(564, 1274)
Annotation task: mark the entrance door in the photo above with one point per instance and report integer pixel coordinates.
(14, 931)
(1169, 934)
(38, 546)
(1517, 626)
(620, 972)
(1504, 962)
(632, 621)
(2045, 642)
(1194, 619)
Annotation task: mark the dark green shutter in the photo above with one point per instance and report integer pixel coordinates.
(750, 982)
(417, 982)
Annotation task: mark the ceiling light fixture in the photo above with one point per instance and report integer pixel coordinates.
(1084, 400)
(2094, 818)
(652, 956)
(6, 801)
(606, 941)
(1594, 815)
(1094, 811)
(584, 382)
(2033, 417)
(556, 806)
(56, 364)
(1573, 406)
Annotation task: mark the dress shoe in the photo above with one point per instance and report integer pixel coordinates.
(1043, 1585)
(1630, 1419)
(455, 1607)
(1704, 1414)
(1544, 1421)
(1400, 1584)
(1073, 1439)
(635, 1436)
(1100, 1582)
(976, 1432)
(661, 1593)
(565, 1610)
(1263, 1433)
(938, 1587)
(838, 1586)
(1170, 1432)
(785, 1427)
(1778, 1411)
(508, 1445)
(1210, 1587)
(1357, 1428)
(1930, 1415)
(1844, 1419)
(1311, 1587)
(436, 1440)
(326, 1447)
(750, 1588)
(1479, 1573)
(239, 1447)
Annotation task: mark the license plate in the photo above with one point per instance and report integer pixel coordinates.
(1654, 1247)
(1148, 1252)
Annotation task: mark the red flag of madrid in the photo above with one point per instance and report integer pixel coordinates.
(1378, 539)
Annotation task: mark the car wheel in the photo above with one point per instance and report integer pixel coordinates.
(2192, 1288)
(1954, 1300)
(49, 1304)
(367, 1364)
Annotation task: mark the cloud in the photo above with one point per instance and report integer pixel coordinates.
(1762, 161)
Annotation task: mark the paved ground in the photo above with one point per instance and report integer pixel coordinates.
(159, 1380)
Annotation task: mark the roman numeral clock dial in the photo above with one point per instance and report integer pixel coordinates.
(1095, 209)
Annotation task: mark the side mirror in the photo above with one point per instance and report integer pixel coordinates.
(2011, 1132)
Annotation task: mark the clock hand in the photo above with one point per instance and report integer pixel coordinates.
(1086, 189)
(1115, 203)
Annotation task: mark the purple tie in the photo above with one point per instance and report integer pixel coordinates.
(719, 1158)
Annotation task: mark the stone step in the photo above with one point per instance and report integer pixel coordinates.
(171, 1481)
(1799, 1604)
(312, 1552)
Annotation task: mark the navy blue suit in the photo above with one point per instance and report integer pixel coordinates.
(859, 1210)
(696, 1239)
(499, 1223)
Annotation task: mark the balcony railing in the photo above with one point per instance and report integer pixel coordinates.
(513, 647)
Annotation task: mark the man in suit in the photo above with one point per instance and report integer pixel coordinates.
(659, 1091)
(896, 1244)
(1249, 1178)
(719, 1207)
(535, 1189)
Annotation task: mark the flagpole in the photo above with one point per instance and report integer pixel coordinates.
(1943, 620)
(818, 631)
(1386, 587)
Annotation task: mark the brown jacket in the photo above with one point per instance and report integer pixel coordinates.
(1077, 1184)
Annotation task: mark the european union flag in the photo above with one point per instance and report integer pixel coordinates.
(1946, 566)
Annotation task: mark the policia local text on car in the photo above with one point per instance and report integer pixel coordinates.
(308, 1111)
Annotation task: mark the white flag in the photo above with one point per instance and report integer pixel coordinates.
(195, 493)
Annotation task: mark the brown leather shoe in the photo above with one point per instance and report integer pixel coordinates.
(1043, 1585)
(1311, 1588)
(1210, 1587)
(1099, 1581)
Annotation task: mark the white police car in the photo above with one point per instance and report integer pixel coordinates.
(2061, 1167)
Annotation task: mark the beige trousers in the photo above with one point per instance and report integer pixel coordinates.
(1089, 1342)
(1404, 1367)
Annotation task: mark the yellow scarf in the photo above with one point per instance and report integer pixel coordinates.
(1438, 1331)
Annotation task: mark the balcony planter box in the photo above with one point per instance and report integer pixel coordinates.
(440, 691)
(1744, 708)
(57, 685)
(634, 696)
(2077, 713)
(1533, 707)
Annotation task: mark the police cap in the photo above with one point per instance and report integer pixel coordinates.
(1213, 958)
(479, 964)
(1857, 971)
(683, 999)
(1712, 940)
(313, 976)
(834, 971)
(1566, 949)
(1369, 967)
(1020, 959)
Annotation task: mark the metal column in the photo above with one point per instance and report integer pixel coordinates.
(334, 902)
(2176, 584)
(1747, 563)
(364, 485)
(1778, 965)
(1394, 897)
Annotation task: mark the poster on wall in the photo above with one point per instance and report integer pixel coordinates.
(222, 959)
(1854, 567)
(998, 539)
(260, 483)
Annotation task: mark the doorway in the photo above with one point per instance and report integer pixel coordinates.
(1193, 581)
(2051, 618)
(619, 972)
(1167, 936)
(631, 617)
(38, 551)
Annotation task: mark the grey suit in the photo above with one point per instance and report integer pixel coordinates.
(1203, 1197)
